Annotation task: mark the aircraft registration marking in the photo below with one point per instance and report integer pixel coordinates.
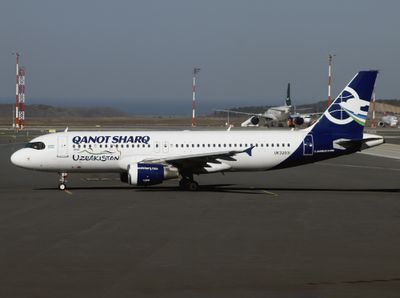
(281, 152)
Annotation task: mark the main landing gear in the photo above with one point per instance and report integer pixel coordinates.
(63, 181)
(187, 183)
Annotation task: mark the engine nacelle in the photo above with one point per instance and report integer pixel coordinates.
(381, 124)
(307, 120)
(148, 174)
(252, 121)
(299, 120)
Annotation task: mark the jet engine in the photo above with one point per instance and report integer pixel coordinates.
(252, 121)
(293, 121)
(148, 174)
(299, 120)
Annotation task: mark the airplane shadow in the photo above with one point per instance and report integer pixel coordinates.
(231, 188)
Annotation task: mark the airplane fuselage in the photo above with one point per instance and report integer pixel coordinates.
(113, 151)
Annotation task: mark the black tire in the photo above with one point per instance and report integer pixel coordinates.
(192, 186)
(183, 183)
(62, 186)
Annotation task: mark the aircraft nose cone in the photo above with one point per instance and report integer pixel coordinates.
(17, 159)
(14, 158)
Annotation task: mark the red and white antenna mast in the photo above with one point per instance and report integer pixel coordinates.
(196, 70)
(19, 94)
(330, 57)
(21, 97)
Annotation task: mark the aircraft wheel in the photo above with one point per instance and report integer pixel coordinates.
(62, 186)
(187, 184)
(183, 183)
(192, 186)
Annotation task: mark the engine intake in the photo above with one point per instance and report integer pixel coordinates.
(252, 121)
(255, 120)
(299, 120)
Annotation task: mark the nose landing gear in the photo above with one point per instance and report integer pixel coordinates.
(63, 181)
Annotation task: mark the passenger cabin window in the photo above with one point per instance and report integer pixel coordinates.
(36, 145)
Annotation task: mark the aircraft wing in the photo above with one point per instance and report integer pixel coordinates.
(196, 162)
(265, 116)
(279, 109)
(305, 115)
(241, 113)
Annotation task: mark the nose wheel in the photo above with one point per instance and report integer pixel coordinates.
(63, 181)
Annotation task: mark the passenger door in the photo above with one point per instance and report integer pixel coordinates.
(308, 145)
(62, 146)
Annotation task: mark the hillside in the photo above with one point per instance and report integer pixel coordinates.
(43, 111)
(381, 106)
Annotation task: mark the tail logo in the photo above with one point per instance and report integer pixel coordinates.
(348, 107)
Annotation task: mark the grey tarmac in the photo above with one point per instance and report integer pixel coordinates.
(329, 229)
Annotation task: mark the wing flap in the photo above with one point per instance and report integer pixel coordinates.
(197, 162)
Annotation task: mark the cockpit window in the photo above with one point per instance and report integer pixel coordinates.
(36, 145)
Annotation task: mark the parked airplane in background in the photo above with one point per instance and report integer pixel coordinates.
(302, 118)
(272, 115)
(278, 115)
(150, 157)
(388, 120)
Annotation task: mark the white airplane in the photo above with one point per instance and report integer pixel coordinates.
(273, 114)
(150, 157)
(389, 120)
(302, 118)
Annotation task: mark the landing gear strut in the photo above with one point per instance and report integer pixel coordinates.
(63, 181)
(187, 183)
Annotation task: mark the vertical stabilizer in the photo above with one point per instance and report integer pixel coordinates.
(288, 101)
(347, 115)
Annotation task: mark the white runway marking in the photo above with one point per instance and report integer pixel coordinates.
(270, 193)
(100, 179)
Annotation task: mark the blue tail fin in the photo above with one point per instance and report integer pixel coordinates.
(346, 116)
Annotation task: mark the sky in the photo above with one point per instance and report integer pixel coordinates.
(139, 55)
